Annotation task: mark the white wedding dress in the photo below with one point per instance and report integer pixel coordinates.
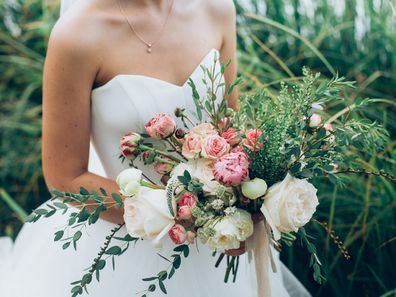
(36, 266)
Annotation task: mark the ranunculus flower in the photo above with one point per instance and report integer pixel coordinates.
(244, 223)
(254, 188)
(231, 230)
(315, 120)
(191, 236)
(232, 169)
(147, 215)
(161, 126)
(214, 146)
(162, 167)
(187, 199)
(128, 145)
(289, 205)
(192, 145)
(231, 135)
(178, 234)
(252, 140)
(129, 181)
(204, 129)
(184, 213)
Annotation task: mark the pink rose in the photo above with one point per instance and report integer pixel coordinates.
(128, 144)
(178, 234)
(191, 236)
(184, 213)
(252, 138)
(187, 199)
(231, 135)
(191, 146)
(163, 167)
(231, 169)
(215, 146)
(204, 130)
(161, 126)
(315, 120)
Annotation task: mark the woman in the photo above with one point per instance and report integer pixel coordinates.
(110, 66)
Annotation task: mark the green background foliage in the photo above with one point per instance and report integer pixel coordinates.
(276, 38)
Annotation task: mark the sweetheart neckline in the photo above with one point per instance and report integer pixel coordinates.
(108, 83)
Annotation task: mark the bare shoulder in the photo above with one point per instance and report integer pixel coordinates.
(221, 10)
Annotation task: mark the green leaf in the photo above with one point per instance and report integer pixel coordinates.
(117, 198)
(41, 211)
(100, 264)
(151, 288)
(66, 245)
(162, 275)
(177, 262)
(83, 191)
(61, 205)
(162, 287)
(103, 191)
(77, 236)
(171, 272)
(114, 250)
(149, 279)
(59, 235)
(186, 251)
(30, 218)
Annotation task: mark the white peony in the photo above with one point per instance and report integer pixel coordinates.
(244, 223)
(147, 215)
(289, 205)
(129, 181)
(254, 188)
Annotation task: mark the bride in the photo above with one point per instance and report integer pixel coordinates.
(110, 66)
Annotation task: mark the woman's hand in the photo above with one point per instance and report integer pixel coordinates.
(257, 218)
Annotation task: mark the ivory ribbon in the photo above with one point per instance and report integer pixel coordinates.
(259, 245)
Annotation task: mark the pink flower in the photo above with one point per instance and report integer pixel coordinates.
(328, 127)
(231, 135)
(178, 234)
(191, 146)
(161, 126)
(315, 120)
(231, 169)
(162, 167)
(252, 140)
(128, 144)
(191, 236)
(215, 146)
(184, 213)
(187, 199)
(204, 130)
(225, 122)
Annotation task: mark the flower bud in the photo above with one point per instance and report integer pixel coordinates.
(254, 188)
(129, 181)
(180, 133)
(315, 120)
(128, 144)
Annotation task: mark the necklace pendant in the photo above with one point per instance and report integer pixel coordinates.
(149, 50)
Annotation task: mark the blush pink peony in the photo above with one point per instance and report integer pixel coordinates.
(252, 140)
(192, 145)
(232, 169)
(161, 126)
(214, 146)
(178, 234)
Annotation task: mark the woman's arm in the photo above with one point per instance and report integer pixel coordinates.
(70, 68)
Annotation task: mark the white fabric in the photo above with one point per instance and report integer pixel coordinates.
(39, 267)
(65, 5)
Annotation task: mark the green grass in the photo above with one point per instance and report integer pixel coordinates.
(273, 44)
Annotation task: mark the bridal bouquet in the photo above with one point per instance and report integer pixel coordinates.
(226, 178)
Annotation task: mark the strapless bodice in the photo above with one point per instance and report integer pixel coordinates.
(127, 102)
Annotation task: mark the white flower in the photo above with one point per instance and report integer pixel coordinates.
(147, 215)
(201, 170)
(217, 204)
(243, 221)
(315, 120)
(289, 205)
(229, 211)
(225, 236)
(129, 181)
(231, 230)
(254, 188)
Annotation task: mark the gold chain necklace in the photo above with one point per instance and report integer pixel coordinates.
(148, 44)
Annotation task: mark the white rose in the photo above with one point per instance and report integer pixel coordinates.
(225, 237)
(147, 215)
(244, 223)
(254, 188)
(129, 181)
(289, 205)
